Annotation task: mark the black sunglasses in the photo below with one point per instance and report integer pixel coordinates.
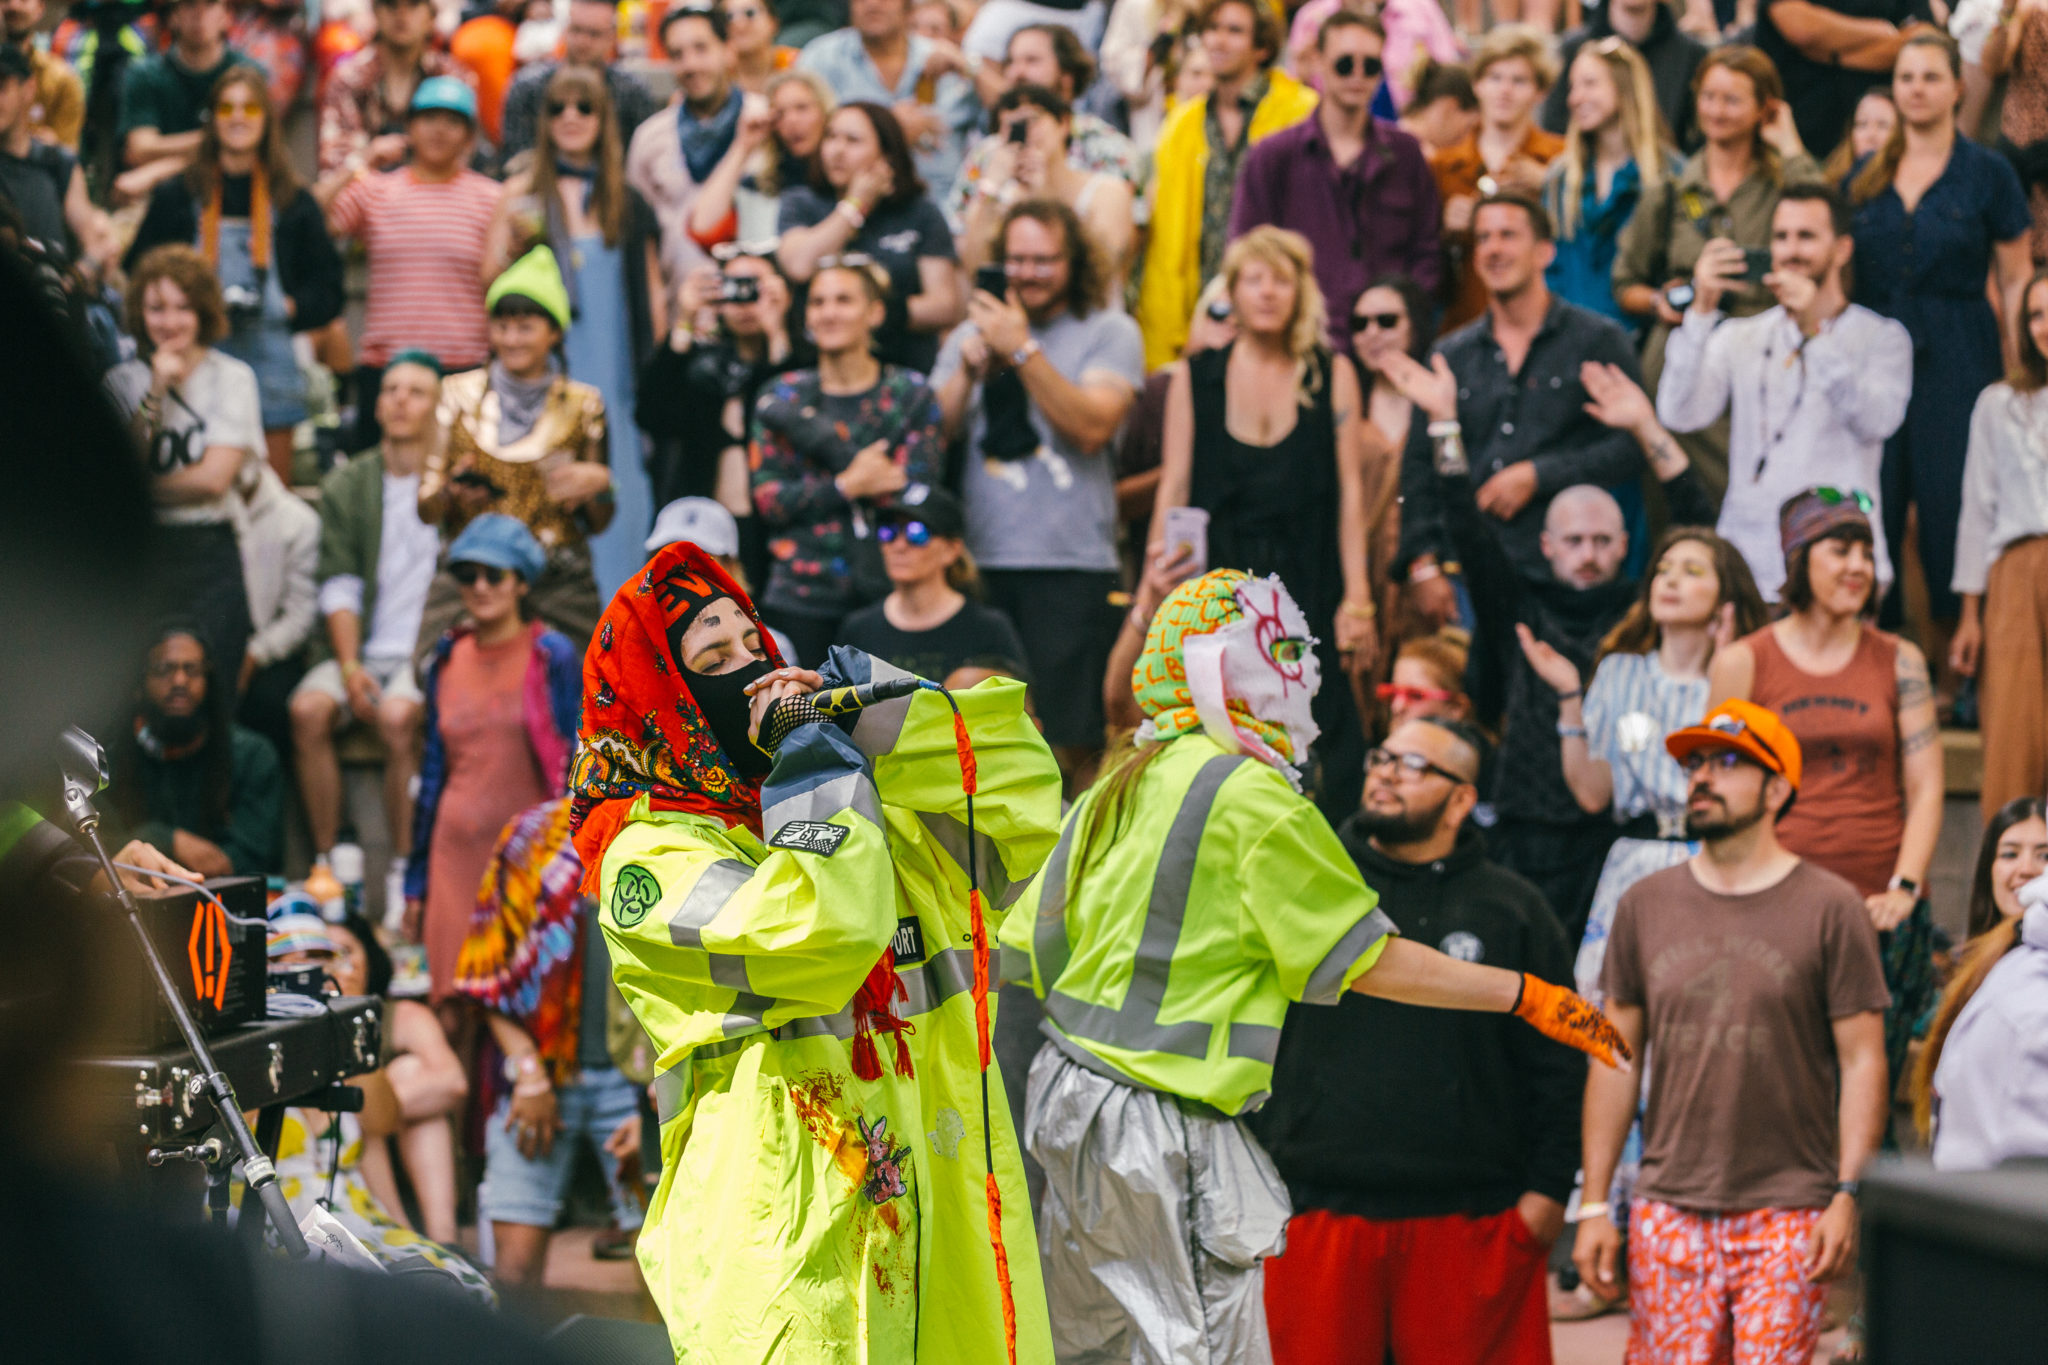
(556, 108)
(1724, 759)
(1350, 62)
(468, 574)
(1386, 322)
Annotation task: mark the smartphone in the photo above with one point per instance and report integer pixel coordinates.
(1186, 529)
(1219, 310)
(1020, 130)
(1756, 264)
(992, 279)
(739, 289)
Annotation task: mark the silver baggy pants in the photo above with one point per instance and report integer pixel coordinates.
(1155, 1220)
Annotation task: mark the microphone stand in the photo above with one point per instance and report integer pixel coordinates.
(257, 1168)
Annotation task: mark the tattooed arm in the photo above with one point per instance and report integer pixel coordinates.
(1920, 774)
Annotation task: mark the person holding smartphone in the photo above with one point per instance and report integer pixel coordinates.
(1725, 192)
(1032, 159)
(1038, 383)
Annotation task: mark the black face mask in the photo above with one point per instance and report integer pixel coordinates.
(727, 710)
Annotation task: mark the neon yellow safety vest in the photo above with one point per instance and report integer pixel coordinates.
(1170, 957)
(805, 1215)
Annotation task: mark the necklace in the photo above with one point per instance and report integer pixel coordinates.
(1763, 398)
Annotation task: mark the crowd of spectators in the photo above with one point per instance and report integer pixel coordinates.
(1613, 372)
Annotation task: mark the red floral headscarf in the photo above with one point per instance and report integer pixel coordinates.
(642, 729)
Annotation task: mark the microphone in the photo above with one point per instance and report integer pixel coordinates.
(844, 701)
(786, 713)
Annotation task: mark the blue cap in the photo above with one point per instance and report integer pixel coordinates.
(444, 92)
(497, 541)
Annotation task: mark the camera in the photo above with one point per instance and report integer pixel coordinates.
(1219, 310)
(739, 289)
(243, 304)
(1019, 131)
(992, 279)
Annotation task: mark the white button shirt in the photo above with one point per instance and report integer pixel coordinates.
(1805, 414)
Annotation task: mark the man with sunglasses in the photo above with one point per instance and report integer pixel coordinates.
(1400, 1183)
(1754, 977)
(1358, 187)
(1812, 387)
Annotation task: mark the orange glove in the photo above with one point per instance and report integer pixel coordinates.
(1571, 1019)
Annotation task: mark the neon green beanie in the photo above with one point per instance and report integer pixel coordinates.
(533, 276)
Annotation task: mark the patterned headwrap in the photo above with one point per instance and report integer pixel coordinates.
(642, 729)
(1179, 694)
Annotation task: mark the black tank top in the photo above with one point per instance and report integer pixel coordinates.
(1272, 509)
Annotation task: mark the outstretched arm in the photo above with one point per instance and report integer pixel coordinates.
(1415, 975)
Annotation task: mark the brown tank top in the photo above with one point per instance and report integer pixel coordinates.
(1851, 811)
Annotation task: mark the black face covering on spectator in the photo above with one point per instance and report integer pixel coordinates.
(1009, 434)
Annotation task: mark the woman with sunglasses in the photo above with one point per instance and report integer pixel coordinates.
(1649, 679)
(930, 623)
(866, 196)
(1391, 316)
(490, 753)
(830, 446)
(1615, 150)
(573, 196)
(1859, 702)
(1034, 129)
(266, 239)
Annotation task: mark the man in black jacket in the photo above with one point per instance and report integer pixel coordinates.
(1428, 1154)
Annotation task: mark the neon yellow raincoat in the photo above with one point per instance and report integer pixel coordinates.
(806, 1215)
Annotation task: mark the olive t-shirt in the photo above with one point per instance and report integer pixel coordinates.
(1737, 994)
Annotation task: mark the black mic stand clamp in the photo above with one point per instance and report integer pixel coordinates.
(84, 766)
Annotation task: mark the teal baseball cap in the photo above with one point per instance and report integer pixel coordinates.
(444, 93)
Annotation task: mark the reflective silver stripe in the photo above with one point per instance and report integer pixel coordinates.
(951, 835)
(1255, 1042)
(942, 976)
(1049, 933)
(878, 727)
(1326, 982)
(849, 791)
(1135, 1025)
(720, 882)
(1012, 964)
(671, 1088)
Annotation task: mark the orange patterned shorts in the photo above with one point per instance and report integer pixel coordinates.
(1721, 1288)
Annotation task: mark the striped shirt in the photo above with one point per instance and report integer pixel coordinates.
(426, 245)
(1630, 706)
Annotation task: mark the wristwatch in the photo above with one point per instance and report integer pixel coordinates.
(1905, 884)
(1024, 353)
(1852, 1188)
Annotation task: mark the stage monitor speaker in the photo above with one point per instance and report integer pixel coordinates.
(612, 1341)
(1956, 1264)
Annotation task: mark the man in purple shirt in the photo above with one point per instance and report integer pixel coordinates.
(1357, 187)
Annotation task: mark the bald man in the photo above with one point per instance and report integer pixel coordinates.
(1584, 538)
(1537, 827)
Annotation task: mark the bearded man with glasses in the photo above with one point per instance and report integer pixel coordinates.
(1357, 187)
(1754, 976)
(1402, 1183)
